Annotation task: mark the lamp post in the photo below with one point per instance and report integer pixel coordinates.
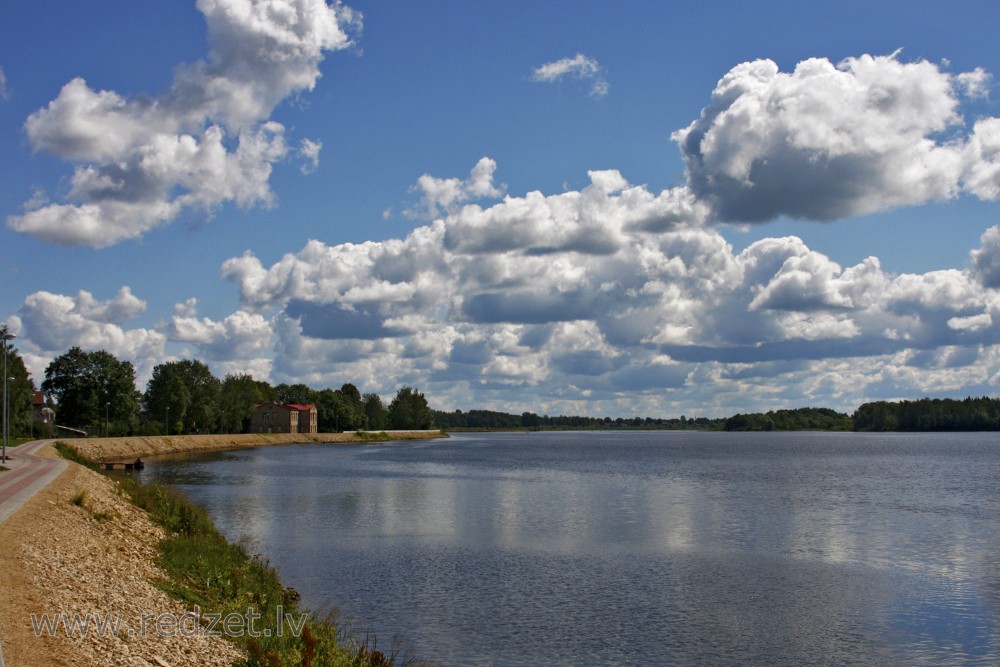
(107, 423)
(166, 422)
(4, 337)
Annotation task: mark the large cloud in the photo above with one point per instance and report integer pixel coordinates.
(207, 140)
(571, 297)
(829, 141)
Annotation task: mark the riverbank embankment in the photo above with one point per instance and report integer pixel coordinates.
(79, 574)
(124, 449)
(79, 564)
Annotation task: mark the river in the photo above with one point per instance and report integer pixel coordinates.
(610, 548)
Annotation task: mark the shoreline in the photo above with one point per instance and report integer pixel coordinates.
(80, 549)
(119, 449)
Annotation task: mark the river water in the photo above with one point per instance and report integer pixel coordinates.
(654, 548)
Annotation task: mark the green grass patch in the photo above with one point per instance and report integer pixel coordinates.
(205, 570)
(372, 436)
(4, 468)
(79, 498)
(69, 452)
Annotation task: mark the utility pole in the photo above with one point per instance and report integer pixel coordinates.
(4, 337)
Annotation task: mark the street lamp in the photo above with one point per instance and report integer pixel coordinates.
(4, 337)
(107, 423)
(166, 422)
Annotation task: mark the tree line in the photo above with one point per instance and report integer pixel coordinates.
(799, 419)
(926, 414)
(96, 392)
(493, 420)
(930, 414)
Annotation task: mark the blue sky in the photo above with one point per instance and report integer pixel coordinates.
(528, 206)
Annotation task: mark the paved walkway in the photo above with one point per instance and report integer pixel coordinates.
(28, 474)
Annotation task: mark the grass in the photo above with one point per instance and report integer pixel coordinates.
(79, 498)
(68, 452)
(372, 436)
(4, 468)
(205, 569)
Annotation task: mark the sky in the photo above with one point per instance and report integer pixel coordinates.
(638, 209)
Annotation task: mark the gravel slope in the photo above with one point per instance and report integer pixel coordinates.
(96, 557)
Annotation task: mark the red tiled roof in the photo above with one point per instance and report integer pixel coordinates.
(288, 406)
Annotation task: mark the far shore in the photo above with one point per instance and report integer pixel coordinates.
(130, 448)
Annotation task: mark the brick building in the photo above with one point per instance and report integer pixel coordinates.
(283, 418)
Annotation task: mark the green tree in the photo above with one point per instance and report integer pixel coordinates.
(338, 411)
(19, 391)
(409, 412)
(354, 409)
(191, 393)
(298, 394)
(237, 397)
(375, 413)
(88, 385)
(328, 410)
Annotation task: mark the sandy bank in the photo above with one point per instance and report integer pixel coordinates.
(125, 449)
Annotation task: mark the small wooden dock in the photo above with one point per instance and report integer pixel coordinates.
(122, 465)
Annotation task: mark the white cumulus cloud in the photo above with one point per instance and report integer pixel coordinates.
(828, 141)
(440, 195)
(52, 323)
(141, 161)
(571, 297)
(241, 335)
(986, 258)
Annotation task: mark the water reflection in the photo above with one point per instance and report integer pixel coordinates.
(665, 548)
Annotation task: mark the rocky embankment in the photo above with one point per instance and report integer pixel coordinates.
(126, 449)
